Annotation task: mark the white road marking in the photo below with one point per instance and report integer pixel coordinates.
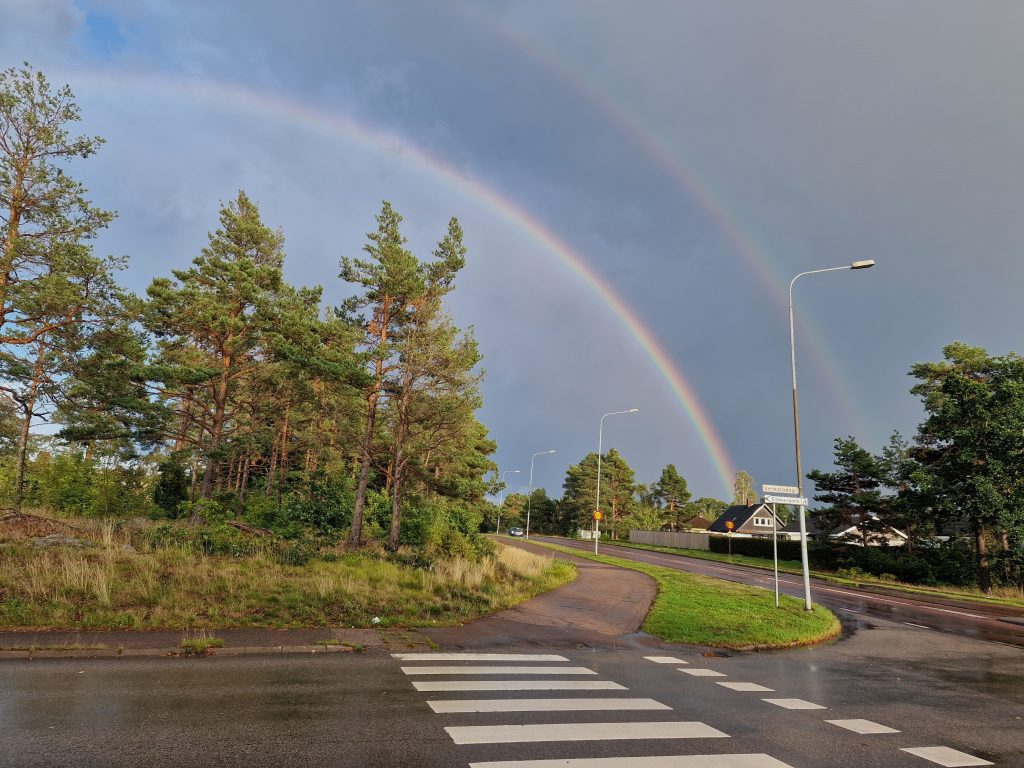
(518, 685)
(517, 734)
(912, 624)
(542, 705)
(663, 761)
(665, 660)
(535, 657)
(794, 704)
(745, 686)
(862, 726)
(498, 671)
(701, 672)
(946, 757)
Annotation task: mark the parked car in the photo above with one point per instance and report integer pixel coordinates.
(515, 531)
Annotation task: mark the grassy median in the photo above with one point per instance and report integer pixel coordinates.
(699, 610)
(1009, 596)
(108, 585)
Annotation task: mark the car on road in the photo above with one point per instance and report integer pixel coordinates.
(515, 531)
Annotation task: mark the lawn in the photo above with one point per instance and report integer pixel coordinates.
(999, 596)
(699, 610)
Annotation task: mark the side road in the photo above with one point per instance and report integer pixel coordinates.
(603, 608)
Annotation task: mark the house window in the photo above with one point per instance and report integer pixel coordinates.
(765, 521)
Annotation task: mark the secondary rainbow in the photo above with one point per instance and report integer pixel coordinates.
(769, 275)
(221, 94)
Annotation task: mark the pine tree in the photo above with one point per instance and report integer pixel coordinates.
(671, 492)
(853, 492)
(214, 323)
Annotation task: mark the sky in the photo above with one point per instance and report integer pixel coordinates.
(638, 183)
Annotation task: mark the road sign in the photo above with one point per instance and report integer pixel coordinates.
(785, 490)
(598, 515)
(729, 524)
(799, 501)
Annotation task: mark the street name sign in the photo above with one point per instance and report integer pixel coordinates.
(799, 501)
(785, 490)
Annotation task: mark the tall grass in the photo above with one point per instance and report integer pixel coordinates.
(109, 586)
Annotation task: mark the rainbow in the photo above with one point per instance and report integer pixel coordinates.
(769, 274)
(333, 125)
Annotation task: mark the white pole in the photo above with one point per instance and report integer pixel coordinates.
(796, 423)
(501, 497)
(529, 498)
(775, 550)
(597, 505)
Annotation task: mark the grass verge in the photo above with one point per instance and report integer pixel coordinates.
(200, 644)
(698, 610)
(1004, 597)
(110, 586)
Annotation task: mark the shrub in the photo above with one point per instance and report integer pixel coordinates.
(788, 550)
(172, 486)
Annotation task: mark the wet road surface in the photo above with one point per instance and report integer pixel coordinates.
(591, 692)
(983, 622)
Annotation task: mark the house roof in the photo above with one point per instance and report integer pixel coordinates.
(738, 514)
(814, 530)
(698, 522)
(794, 526)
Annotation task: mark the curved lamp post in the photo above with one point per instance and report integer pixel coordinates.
(796, 420)
(529, 498)
(501, 497)
(597, 504)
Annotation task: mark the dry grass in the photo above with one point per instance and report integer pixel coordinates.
(111, 586)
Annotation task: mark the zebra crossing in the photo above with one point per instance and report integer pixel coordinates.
(501, 673)
(520, 672)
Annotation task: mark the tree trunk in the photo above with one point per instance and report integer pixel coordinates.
(272, 470)
(26, 424)
(397, 462)
(984, 577)
(14, 213)
(355, 537)
(243, 486)
(220, 401)
(396, 509)
(284, 455)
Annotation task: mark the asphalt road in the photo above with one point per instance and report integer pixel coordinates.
(363, 710)
(853, 605)
(885, 688)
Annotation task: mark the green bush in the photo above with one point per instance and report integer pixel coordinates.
(172, 486)
(207, 510)
(294, 551)
(788, 550)
(215, 539)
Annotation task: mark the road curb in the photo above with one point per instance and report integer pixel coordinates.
(30, 654)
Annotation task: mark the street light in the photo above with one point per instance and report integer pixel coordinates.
(501, 497)
(865, 264)
(600, 431)
(529, 499)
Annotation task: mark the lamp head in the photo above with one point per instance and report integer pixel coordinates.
(865, 264)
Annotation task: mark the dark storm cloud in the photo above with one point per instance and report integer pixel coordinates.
(826, 133)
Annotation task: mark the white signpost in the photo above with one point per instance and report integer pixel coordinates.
(783, 494)
(796, 501)
(783, 490)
